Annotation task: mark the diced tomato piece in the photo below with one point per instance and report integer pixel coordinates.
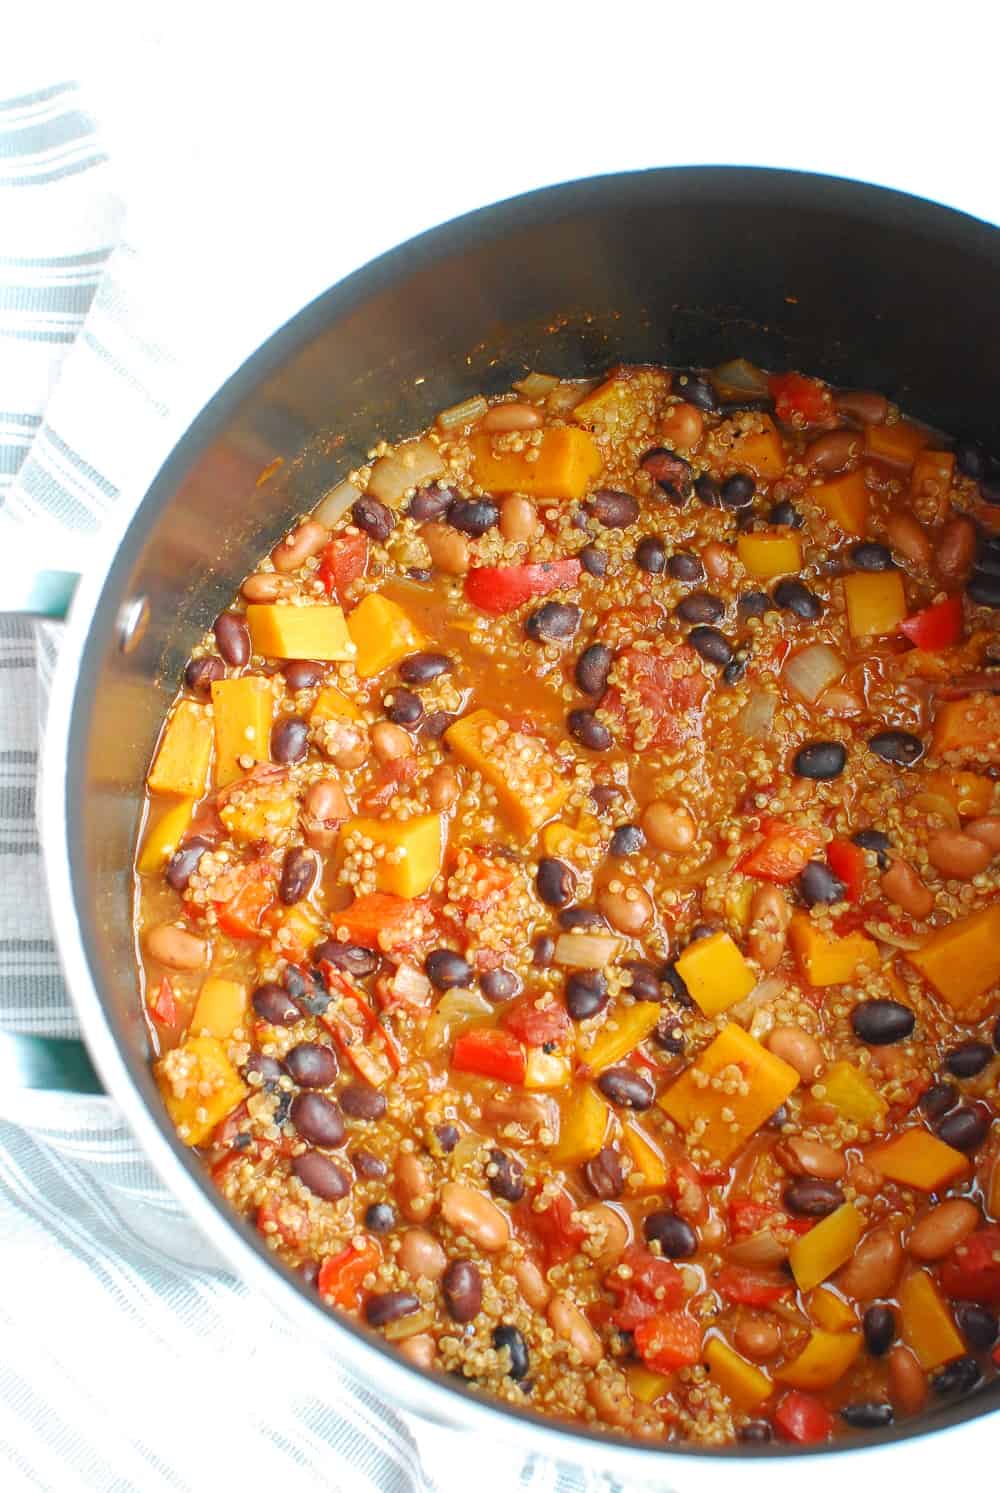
(654, 1285)
(783, 854)
(684, 1182)
(972, 1271)
(343, 560)
(668, 1341)
(357, 1031)
(937, 626)
(491, 1053)
(477, 887)
(390, 775)
(554, 1228)
(747, 1217)
(162, 1005)
(803, 1418)
(341, 1276)
(372, 915)
(498, 589)
(242, 915)
(284, 1220)
(847, 862)
(535, 1025)
(799, 400)
(751, 1287)
(670, 686)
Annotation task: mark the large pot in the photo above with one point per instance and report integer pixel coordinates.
(862, 286)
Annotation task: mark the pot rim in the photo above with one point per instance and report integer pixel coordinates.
(428, 1395)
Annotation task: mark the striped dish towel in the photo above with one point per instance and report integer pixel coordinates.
(131, 1359)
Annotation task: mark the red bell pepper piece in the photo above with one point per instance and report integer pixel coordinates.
(654, 1285)
(747, 1217)
(784, 853)
(343, 560)
(972, 1271)
(242, 915)
(750, 1287)
(554, 1227)
(286, 1220)
(668, 1341)
(357, 1031)
(491, 1053)
(803, 1418)
(502, 588)
(847, 862)
(535, 1025)
(670, 686)
(935, 627)
(799, 400)
(340, 1276)
(162, 1006)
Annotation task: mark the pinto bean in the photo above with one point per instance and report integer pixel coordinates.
(420, 1350)
(902, 885)
(938, 1232)
(175, 947)
(798, 1049)
(265, 586)
(874, 1269)
(811, 1158)
(833, 451)
(683, 425)
(770, 915)
(449, 549)
(863, 405)
(907, 536)
(442, 788)
(421, 1256)
(717, 560)
(532, 1284)
(986, 830)
(474, 1214)
(957, 855)
(413, 1188)
(300, 545)
(626, 905)
(568, 1322)
(757, 1337)
(613, 1230)
(907, 1381)
(390, 742)
(611, 1399)
(518, 519)
(956, 548)
(511, 416)
(327, 801)
(668, 826)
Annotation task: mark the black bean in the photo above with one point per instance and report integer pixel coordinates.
(707, 491)
(651, 555)
(281, 1109)
(289, 739)
(273, 1004)
(711, 645)
(436, 723)
(901, 748)
(312, 1065)
(200, 673)
(871, 556)
(555, 882)
(585, 728)
(645, 980)
(603, 1175)
(573, 919)
(350, 958)
(957, 1377)
(701, 606)
(462, 1289)
(586, 993)
(978, 1324)
(785, 515)
(793, 596)
(879, 1326)
(938, 1100)
(695, 390)
(674, 1235)
(867, 1415)
(969, 1059)
(820, 760)
(755, 1432)
(298, 872)
(403, 707)
(880, 1023)
(593, 560)
(553, 622)
(614, 510)
(670, 472)
(669, 1034)
(420, 572)
(626, 1088)
(421, 668)
(808, 1197)
(499, 984)
(372, 1168)
(984, 589)
(184, 862)
(362, 1101)
(429, 503)
(232, 637)
(604, 795)
(964, 1128)
(736, 667)
(446, 968)
(309, 995)
(380, 1218)
(680, 991)
(737, 491)
(817, 883)
(389, 1306)
(628, 839)
(779, 1119)
(373, 518)
(543, 951)
(267, 1069)
(971, 459)
(473, 516)
(683, 566)
(321, 1175)
(753, 604)
(874, 839)
(505, 1175)
(318, 1120)
(447, 1137)
(506, 1336)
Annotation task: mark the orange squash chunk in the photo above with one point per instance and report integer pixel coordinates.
(962, 961)
(763, 453)
(898, 444)
(845, 501)
(567, 461)
(728, 1092)
(918, 1159)
(968, 730)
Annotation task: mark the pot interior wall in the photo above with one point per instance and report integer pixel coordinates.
(861, 286)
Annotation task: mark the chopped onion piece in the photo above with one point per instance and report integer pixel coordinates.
(586, 950)
(455, 1012)
(884, 934)
(409, 465)
(466, 413)
(336, 503)
(404, 1327)
(761, 1249)
(810, 671)
(739, 380)
(754, 720)
(411, 985)
(566, 397)
(766, 990)
(536, 385)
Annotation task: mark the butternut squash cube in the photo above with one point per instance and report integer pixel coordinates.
(853, 1095)
(962, 960)
(331, 705)
(625, 1029)
(617, 403)
(318, 632)
(649, 1171)
(748, 1387)
(162, 840)
(299, 927)
(845, 501)
(382, 634)
(180, 766)
(715, 973)
(646, 1384)
(259, 816)
(728, 1092)
(528, 783)
(876, 602)
(560, 839)
(932, 475)
(221, 1008)
(567, 462)
(918, 1159)
(927, 1323)
(825, 1358)
(414, 851)
(968, 730)
(200, 1087)
(898, 444)
(762, 452)
(831, 1312)
(829, 961)
(244, 709)
(969, 793)
(767, 555)
(828, 1245)
(585, 1118)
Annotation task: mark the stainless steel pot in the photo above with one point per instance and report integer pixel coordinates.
(858, 284)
